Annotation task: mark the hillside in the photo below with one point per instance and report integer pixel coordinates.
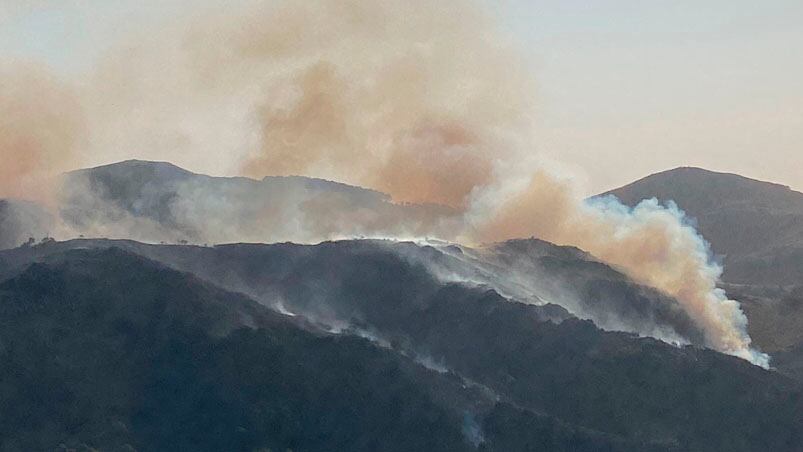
(103, 349)
(537, 366)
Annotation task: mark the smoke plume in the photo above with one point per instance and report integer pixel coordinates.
(422, 100)
(654, 245)
(41, 127)
(382, 94)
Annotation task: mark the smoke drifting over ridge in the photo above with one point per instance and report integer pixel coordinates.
(653, 244)
(418, 99)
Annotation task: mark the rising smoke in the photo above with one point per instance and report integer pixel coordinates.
(418, 99)
(653, 244)
(41, 129)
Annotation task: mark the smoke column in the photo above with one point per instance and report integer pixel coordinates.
(422, 100)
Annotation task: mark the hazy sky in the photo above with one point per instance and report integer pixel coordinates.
(626, 87)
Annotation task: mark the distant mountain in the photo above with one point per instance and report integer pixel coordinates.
(155, 201)
(376, 347)
(756, 226)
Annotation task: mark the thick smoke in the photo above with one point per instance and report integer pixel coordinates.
(415, 98)
(383, 94)
(397, 96)
(653, 244)
(421, 101)
(41, 128)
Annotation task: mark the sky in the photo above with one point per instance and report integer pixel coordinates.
(625, 88)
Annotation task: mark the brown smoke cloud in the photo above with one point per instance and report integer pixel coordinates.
(41, 128)
(410, 98)
(651, 243)
(419, 99)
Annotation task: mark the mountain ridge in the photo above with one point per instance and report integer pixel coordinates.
(698, 173)
(156, 202)
(748, 222)
(532, 363)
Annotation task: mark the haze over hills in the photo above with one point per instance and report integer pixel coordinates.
(516, 345)
(157, 201)
(21, 220)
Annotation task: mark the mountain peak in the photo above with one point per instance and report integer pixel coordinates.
(134, 166)
(697, 189)
(745, 220)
